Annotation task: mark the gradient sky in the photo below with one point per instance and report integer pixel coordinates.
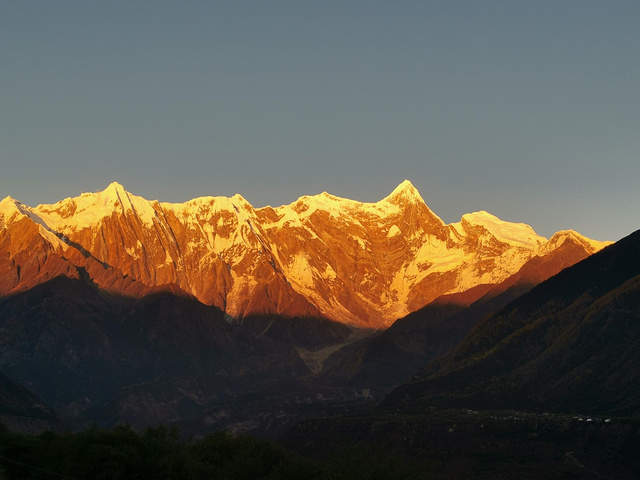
(527, 109)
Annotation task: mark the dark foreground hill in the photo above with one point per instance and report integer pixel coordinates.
(98, 357)
(21, 411)
(572, 344)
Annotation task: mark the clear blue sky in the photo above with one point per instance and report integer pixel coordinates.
(527, 109)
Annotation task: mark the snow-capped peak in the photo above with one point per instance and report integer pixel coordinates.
(89, 208)
(8, 203)
(404, 192)
(240, 200)
(9, 208)
(591, 246)
(114, 190)
(517, 234)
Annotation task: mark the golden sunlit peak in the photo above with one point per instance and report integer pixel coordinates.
(405, 190)
(114, 187)
(9, 199)
(9, 206)
(115, 191)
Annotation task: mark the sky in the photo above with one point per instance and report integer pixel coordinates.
(529, 110)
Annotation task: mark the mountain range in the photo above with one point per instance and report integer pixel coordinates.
(360, 264)
(213, 314)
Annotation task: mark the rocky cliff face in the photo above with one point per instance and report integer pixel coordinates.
(364, 264)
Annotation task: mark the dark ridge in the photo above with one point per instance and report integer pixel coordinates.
(307, 332)
(571, 344)
(21, 411)
(96, 356)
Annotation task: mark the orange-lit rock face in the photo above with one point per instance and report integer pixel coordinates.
(357, 263)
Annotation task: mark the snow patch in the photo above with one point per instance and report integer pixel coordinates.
(393, 231)
(301, 270)
(329, 273)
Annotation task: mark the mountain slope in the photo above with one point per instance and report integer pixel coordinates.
(571, 344)
(77, 347)
(21, 411)
(386, 360)
(364, 264)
